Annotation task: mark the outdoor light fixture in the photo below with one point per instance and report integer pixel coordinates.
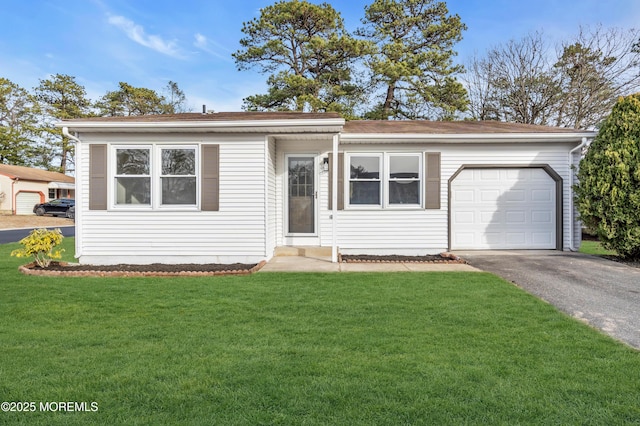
(325, 164)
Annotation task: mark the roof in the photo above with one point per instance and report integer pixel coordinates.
(447, 127)
(213, 116)
(37, 175)
(302, 122)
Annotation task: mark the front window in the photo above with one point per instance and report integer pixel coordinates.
(385, 180)
(178, 176)
(404, 179)
(133, 176)
(364, 180)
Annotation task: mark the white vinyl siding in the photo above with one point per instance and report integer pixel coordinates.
(418, 231)
(235, 233)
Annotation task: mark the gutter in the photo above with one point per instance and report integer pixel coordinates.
(464, 137)
(582, 144)
(310, 125)
(66, 134)
(78, 183)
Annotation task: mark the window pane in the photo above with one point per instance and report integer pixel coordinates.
(404, 167)
(365, 167)
(133, 190)
(178, 162)
(364, 192)
(404, 192)
(132, 161)
(179, 190)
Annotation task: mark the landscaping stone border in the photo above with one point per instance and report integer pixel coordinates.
(67, 270)
(365, 258)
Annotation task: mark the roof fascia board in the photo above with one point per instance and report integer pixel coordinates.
(332, 125)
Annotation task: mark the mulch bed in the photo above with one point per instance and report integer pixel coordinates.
(436, 258)
(153, 270)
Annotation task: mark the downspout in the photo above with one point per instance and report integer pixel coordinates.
(14, 209)
(78, 182)
(334, 200)
(582, 144)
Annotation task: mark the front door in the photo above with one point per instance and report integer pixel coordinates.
(301, 195)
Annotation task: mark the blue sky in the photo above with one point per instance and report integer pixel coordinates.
(146, 43)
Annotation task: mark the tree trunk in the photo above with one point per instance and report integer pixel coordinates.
(386, 108)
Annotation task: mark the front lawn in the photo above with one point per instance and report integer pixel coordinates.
(595, 248)
(271, 348)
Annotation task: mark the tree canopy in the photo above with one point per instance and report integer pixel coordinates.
(19, 115)
(28, 135)
(576, 86)
(308, 54)
(413, 61)
(61, 98)
(608, 192)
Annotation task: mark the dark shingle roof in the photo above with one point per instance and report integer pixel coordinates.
(447, 127)
(215, 116)
(354, 127)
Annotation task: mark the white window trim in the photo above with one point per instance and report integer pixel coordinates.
(387, 179)
(155, 168)
(158, 179)
(384, 180)
(348, 180)
(112, 186)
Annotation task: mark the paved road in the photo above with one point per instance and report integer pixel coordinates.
(14, 235)
(604, 293)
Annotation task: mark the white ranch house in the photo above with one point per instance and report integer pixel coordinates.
(232, 187)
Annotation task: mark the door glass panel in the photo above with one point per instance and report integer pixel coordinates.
(301, 195)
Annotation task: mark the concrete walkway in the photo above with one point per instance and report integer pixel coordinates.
(324, 264)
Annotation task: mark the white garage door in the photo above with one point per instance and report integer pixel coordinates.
(503, 209)
(25, 202)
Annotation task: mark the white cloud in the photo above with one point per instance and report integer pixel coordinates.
(136, 33)
(211, 47)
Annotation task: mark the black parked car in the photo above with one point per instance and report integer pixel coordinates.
(57, 207)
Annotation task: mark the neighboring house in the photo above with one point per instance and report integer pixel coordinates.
(23, 187)
(231, 187)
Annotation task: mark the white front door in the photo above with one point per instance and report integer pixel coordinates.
(301, 195)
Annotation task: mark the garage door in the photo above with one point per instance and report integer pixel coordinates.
(25, 202)
(503, 209)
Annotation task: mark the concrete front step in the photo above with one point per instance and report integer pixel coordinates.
(303, 251)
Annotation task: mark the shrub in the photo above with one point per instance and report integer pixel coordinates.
(608, 192)
(40, 244)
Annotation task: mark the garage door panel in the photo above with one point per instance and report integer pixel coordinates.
(515, 237)
(489, 175)
(489, 195)
(486, 217)
(543, 195)
(542, 217)
(465, 217)
(515, 217)
(541, 238)
(491, 238)
(465, 196)
(515, 195)
(25, 202)
(507, 208)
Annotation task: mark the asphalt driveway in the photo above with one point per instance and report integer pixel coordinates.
(601, 292)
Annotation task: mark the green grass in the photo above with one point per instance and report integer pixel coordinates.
(595, 248)
(330, 349)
